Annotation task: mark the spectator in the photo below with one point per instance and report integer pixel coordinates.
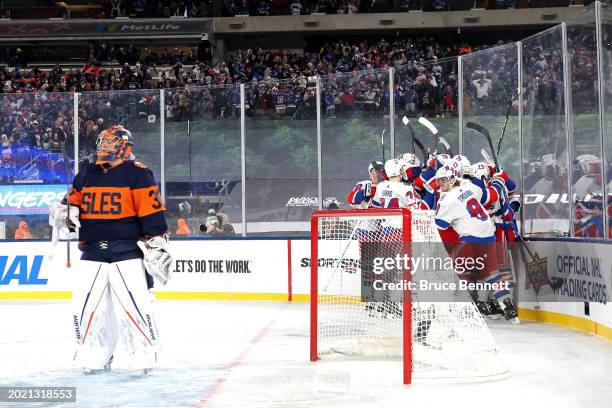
(23, 231)
(213, 224)
(183, 228)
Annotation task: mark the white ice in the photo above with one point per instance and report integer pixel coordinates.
(255, 354)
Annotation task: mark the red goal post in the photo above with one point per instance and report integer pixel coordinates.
(406, 235)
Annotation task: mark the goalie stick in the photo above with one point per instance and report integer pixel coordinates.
(68, 223)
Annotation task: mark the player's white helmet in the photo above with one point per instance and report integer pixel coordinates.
(480, 170)
(392, 168)
(462, 164)
(589, 164)
(444, 158)
(446, 172)
(409, 159)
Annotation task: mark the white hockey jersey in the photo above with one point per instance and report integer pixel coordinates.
(395, 194)
(461, 210)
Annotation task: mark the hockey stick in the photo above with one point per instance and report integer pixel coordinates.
(501, 138)
(477, 128)
(382, 144)
(415, 140)
(406, 123)
(446, 145)
(69, 224)
(430, 126)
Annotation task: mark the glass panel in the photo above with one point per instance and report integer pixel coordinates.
(281, 156)
(606, 55)
(427, 89)
(37, 160)
(490, 86)
(137, 111)
(355, 115)
(202, 160)
(585, 156)
(545, 153)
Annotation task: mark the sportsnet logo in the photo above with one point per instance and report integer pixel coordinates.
(309, 201)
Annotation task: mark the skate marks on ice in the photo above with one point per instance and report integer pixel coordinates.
(162, 387)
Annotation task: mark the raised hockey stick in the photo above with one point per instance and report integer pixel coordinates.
(446, 145)
(501, 138)
(415, 140)
(480, 129)
(406, 123)
(430, 126)
(382, 144)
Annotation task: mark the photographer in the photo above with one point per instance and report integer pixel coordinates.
(213, 225)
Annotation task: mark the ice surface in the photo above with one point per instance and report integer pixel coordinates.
(255, 354)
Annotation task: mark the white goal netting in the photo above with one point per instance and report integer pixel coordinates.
(450, 339)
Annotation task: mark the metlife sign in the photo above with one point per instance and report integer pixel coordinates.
(17, 30)
(20, 199)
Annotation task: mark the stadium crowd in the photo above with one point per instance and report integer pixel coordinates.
(230, 8)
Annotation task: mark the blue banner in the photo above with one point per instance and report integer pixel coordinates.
(24, 199)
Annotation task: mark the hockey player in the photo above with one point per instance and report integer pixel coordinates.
(115, 204)
(502, 213)
(364, 190)
(410, 167)
(393, 193)
(461, 214)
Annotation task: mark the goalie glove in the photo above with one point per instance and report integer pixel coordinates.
(58, 217)
(157, 259)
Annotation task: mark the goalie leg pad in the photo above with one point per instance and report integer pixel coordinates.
(133, 305)
(93, 318)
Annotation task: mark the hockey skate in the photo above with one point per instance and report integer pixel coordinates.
(495, 311)
(510, 312)
(106, 368)
(483, 308)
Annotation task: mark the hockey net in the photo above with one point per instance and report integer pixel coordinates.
(446, 339)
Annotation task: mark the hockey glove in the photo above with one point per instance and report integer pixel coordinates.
(58, 217)
(157, 259)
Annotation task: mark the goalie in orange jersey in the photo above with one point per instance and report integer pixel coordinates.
(116, 206)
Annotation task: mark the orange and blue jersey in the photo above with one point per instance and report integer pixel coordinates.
(119, 203)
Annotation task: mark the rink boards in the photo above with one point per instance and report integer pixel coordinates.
(279, 270)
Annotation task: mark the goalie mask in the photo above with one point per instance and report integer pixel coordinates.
(114, 143)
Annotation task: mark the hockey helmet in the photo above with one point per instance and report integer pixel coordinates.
(114, 143)
(392, 168)
(462, 165)
(479, 170)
